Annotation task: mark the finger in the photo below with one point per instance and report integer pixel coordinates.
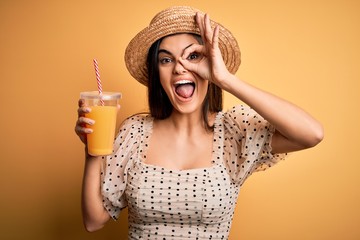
(83, 121)
(193, 48)
(82, 133)
(82, 130)
(208, 29)
(82, 110)
(81, 102)
(192, 67)
(200, 24)
(215, 39)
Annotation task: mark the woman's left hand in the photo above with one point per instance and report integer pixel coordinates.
(211, 67)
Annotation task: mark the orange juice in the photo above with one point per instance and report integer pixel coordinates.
(100, 141)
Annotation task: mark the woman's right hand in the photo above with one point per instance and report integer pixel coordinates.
(80, 128)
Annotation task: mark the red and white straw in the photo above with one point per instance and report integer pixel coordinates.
(98, 79)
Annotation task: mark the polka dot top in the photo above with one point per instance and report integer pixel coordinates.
(185, 204)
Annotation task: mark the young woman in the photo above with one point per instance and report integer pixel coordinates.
(179, 169)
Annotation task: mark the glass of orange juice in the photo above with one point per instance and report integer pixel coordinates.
(104, 112)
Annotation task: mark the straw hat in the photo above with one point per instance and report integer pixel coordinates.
(177, 19)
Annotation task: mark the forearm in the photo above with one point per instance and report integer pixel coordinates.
(94, 214)
(289, 120)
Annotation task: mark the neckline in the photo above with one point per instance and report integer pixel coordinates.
(217, 147)
(179, 171)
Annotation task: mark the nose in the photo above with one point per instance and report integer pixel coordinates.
(179, 68)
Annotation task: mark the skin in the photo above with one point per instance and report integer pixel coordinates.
(171, 71)
(295, 129)
(181, 137)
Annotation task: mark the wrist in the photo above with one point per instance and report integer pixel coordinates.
(89, 157)
(228, 82)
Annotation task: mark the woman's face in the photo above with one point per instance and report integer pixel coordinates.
(185, 89)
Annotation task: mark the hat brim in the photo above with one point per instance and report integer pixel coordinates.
(179, 19)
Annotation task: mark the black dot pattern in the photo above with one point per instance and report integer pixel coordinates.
(185, 204)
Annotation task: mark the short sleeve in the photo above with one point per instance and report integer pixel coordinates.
(247, 145)
(116, 166)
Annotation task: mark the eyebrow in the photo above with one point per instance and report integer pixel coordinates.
(168, 52)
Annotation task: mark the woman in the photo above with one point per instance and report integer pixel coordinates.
(179, 170)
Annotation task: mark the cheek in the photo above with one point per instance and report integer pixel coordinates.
(165, 81)
(203, 87)
(163, 74)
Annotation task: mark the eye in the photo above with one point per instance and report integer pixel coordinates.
(165, 60)
(194, 56)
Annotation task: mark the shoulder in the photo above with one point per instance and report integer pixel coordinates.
(132, 130)
(241, 118)
(135, 121)
(239, 111)
(241, 114)
(238, 115)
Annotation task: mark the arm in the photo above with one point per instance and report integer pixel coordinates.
(295, 129)
(94, 214)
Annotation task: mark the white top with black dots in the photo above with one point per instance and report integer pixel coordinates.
(185, 204)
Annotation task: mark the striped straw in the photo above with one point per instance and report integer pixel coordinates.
(99, 85)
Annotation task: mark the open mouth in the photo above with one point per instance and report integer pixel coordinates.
(184, 88)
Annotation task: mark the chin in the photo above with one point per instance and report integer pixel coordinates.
(185, 108)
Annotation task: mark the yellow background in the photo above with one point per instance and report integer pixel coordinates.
(305, 51)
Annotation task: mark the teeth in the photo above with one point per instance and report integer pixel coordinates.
(183, 82)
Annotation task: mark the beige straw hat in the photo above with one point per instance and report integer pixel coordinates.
(177, 19)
